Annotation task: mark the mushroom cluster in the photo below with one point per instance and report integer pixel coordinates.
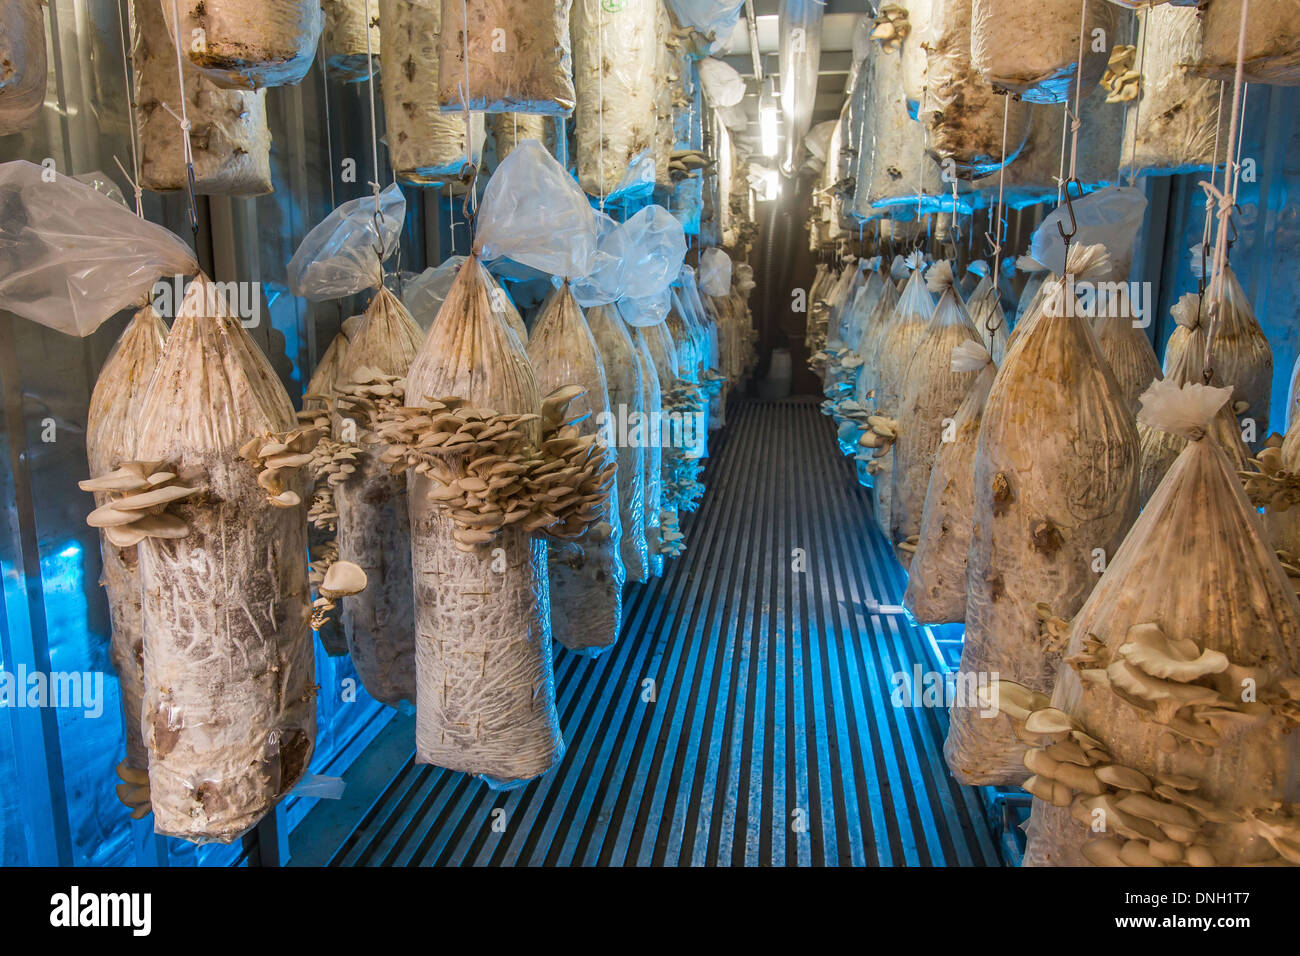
(671, 543)
(133, 791)
(879, 435)
(684, 162)
(1146, 819)
(892, 27)
(278, 458)
(1291, 565)
(1122, 80)
(139, 494)
(1270, 485)
(332, 580)
(487, 474)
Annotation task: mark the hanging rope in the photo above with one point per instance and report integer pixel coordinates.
(600, 100)
(1227, 198)
(996, 239)
(1137, 102)
(469, 173)
(134, 180)
(374, 123)
(184, 120)
(325, 98)
(1070, 131)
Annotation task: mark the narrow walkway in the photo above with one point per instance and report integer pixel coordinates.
(744, 717)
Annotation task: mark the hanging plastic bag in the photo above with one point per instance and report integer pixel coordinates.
(426, 146)
(423, 295)
(1110, 216)
(70, 256)
(715, 272)
(605, 283)
(1032, 49)
(963, 114)
(1160, 448)
(630, 428)
(1056, 478)
(615, 51)
(655, 247)
(230, 141)
(1241, 355)
(344, 254)
(1272, 39)
(1124, 345)
(908, 326)
(1175, 124)
(711, 17)
(529, 74)
(1186, 682)
(535, 214)
(245, 46)
(22, 51)
(586, 572)
(931, 392)
(936, 582)
(722, 84)
(800, 60)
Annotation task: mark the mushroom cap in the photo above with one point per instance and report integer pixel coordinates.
(343, 578)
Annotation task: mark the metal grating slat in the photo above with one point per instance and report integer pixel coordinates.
(770, 740)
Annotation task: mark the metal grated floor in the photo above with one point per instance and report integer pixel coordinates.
(771, 739)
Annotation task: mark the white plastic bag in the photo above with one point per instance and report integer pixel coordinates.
(718, 17)
(70, 256)
(534, 213)
(722, 84)
(1110, 216)
(645, 311)
(344, 254)
(715, 272)
(605, 283)
(656, 246)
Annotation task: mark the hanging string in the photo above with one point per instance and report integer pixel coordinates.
(1137, 102)
(184, 120)
(130, 98)
(469, 173)
(329, 141)
(600, 98)
(1209, 196)
(996, 239)
(1241, 139)
(1070, 129)
(1226, 199)
(374, 123)
(1078, 94)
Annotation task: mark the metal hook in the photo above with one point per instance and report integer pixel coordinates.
(1069, 208)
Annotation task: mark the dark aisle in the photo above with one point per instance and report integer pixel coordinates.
(770, 739)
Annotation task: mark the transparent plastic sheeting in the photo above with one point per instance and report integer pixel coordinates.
(715, 272)
(605, 283)
(534, 213)
(1110, 216)
(70, 256)
(345, 253)
(718, 17)
(722, 84)
(424, 294)
(800, 58)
